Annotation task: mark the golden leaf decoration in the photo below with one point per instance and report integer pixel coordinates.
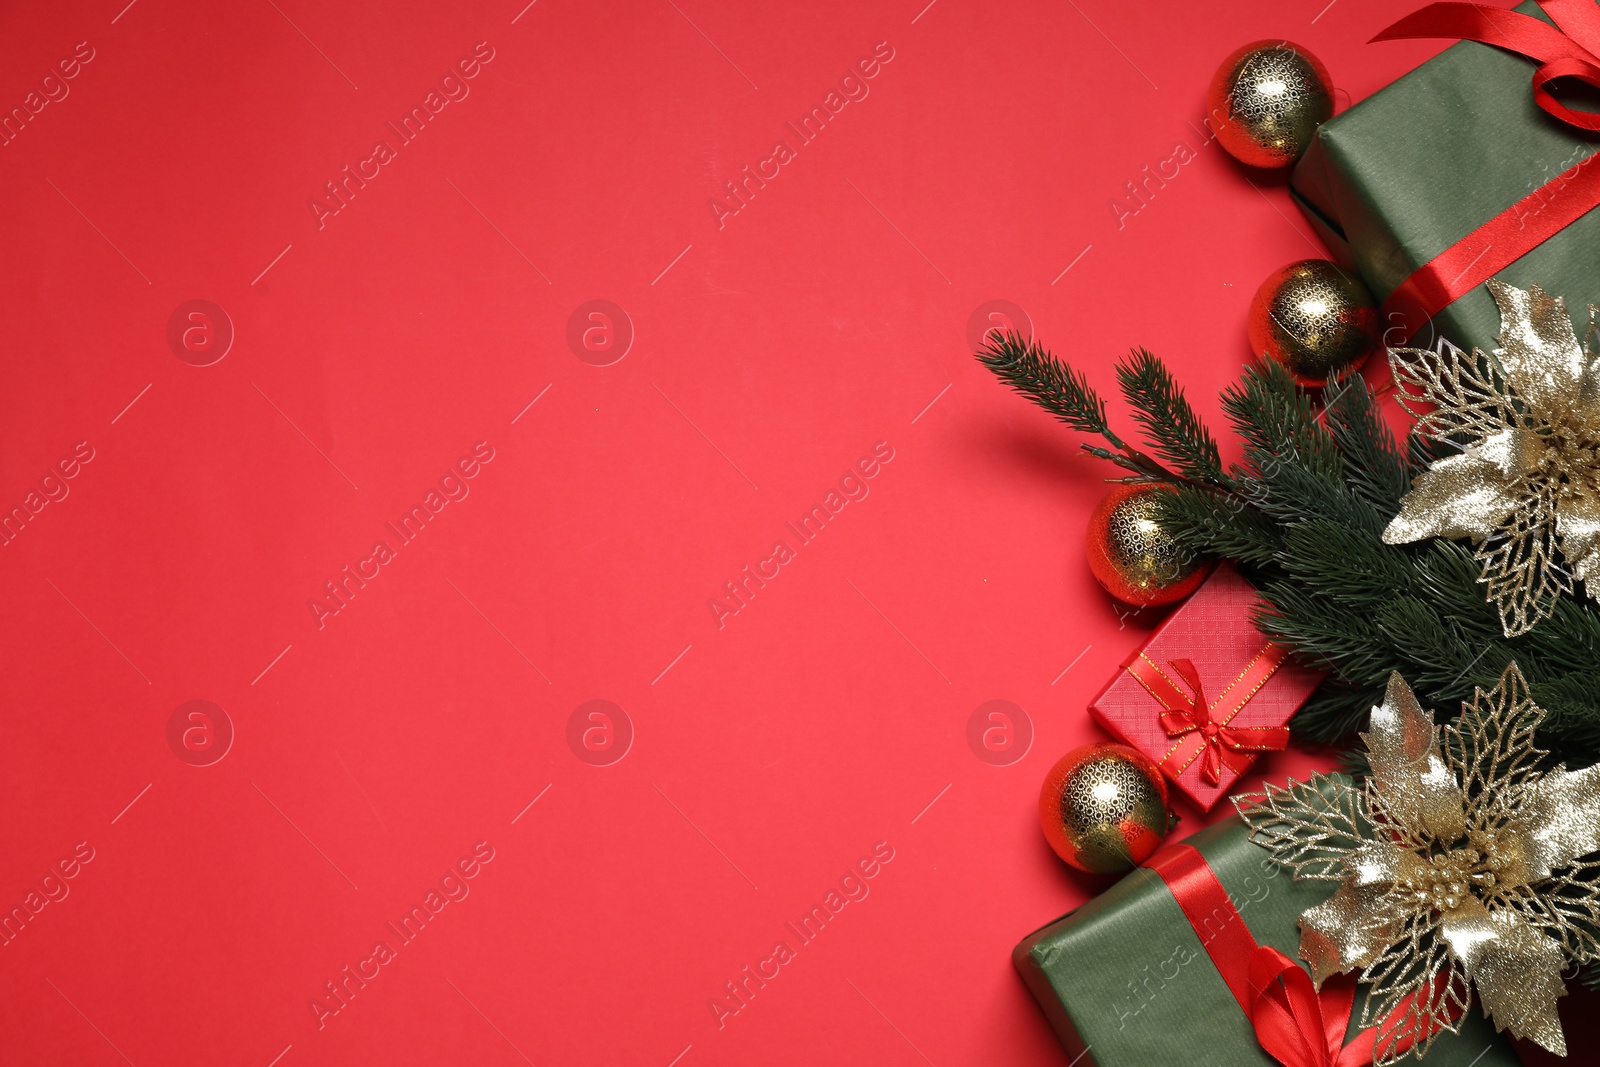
(1463, 868)
(1525, 489)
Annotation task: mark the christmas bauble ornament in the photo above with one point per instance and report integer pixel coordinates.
(1132, 556)
(1104, 808)
(1315, 318)
(1267, 100)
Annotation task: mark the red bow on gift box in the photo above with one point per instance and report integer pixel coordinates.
(1295, 1024)
(1202, 729)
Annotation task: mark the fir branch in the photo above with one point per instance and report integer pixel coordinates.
(1140, 475)
(1345, 642)
(1442, 659)
(1029, 369)
(1573, 714)
(1356, 762)
(1279, 425)
(1212, 524)
(1174, 430)
(1291, 493)
(1376, 469)
(1349, 566)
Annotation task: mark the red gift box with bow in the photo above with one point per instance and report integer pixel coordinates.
(1207, 692)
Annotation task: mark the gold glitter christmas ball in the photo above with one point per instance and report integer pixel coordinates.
(1104, 808)
(1315, 318)
(1132, 556)
(1267, 100)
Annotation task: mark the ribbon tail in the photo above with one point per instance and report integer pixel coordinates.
(1287, 1014)
(1360, 1051)
(1578, 19)
(1488, 25)
(1338, 999)
(1255, 738)
(1186, 670)
(1177, 723)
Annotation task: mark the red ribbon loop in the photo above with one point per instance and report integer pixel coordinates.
(1298, 1026)
(1189, 713)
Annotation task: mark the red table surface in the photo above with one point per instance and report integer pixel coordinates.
(764, 753)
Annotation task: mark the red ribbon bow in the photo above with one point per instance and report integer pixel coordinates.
(1189, 718)
(1570, 49)
(1298, 1026)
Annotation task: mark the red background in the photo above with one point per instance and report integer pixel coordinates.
(770, 354)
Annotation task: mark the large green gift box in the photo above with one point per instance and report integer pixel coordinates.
(1126, 981)
(1414, 168)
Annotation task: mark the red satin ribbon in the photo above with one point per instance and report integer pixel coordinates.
(1298, 1026)
(1295, 1024)
(1570, 49)
(1202, 729)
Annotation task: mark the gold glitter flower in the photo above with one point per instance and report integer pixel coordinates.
(1527, 482)
(1461, 866)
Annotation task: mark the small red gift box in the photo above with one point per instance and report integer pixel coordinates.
(1207, 692)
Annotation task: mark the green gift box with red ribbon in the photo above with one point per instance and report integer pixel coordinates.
(1189, 961)
(1480, 163)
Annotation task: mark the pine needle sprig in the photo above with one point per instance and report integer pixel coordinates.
(1176, 433)
(1279, 424)
(1343, 641)
(1026, 367)
(1348, 565)
(1377, 470)
(1214, 524)
(1029, 369)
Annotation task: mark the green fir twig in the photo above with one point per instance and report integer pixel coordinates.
(1176, 433)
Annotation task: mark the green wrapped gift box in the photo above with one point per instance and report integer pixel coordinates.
(1416, 167)
(1126, 981)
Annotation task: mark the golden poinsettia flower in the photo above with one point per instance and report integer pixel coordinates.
(1461, 866)
(1528, 480)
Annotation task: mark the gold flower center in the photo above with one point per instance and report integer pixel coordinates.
(1569, 453)
(1454, 876)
